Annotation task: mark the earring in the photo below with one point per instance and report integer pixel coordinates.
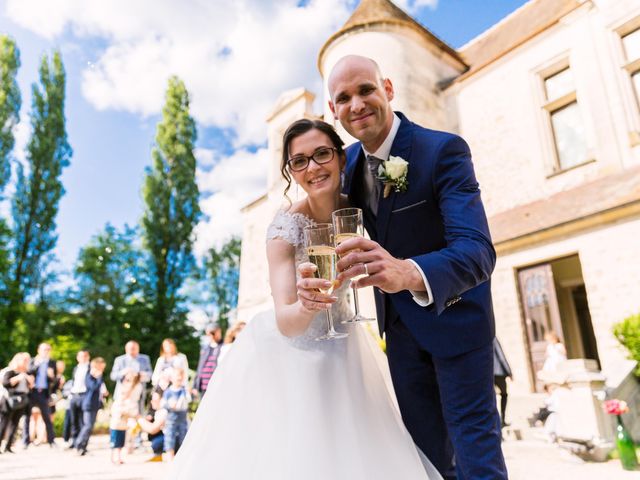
(342, 178)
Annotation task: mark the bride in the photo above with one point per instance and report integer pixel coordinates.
(283, 406)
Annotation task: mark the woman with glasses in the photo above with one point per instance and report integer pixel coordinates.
(283, 405)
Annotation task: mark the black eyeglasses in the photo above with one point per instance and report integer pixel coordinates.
(320, 156)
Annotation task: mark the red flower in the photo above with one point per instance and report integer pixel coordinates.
(615, 407)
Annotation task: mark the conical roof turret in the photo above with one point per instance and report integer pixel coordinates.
(370, 13)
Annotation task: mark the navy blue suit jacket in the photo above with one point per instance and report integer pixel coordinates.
(440, 223)
(91, 400)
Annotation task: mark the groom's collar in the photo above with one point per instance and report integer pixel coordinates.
(384, 150)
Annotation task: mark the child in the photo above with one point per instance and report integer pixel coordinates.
(175, 400)
(154, 423)
(125, 407)
(91, 402)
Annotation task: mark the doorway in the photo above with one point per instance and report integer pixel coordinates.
(554, 298)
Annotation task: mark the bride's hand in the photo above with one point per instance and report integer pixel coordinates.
(308, 289)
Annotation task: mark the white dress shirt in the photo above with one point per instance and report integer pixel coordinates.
(79, 378)
(424, 299)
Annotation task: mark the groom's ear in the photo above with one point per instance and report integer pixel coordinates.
(333, 110)
(388, 88)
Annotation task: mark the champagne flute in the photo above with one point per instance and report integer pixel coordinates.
(322, 253)
(347, 223)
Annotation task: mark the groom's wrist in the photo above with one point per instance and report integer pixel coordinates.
(413, 278)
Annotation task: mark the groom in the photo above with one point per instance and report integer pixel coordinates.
(430, 259)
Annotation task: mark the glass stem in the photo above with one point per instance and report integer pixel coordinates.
(330, 322)
(355, 301)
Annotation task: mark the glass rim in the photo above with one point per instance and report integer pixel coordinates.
(319, 226)
(341, 212)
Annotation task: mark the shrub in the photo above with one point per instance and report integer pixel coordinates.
(628, 334)
(58, 421)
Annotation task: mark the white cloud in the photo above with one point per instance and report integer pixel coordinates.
(235, 56)
(412, 6)
(235, 181)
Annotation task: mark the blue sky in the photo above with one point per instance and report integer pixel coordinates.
(235, 57)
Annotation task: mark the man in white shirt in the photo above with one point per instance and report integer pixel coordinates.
(76, 394)
(429, 260)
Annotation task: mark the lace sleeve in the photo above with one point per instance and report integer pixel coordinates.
(288, 226)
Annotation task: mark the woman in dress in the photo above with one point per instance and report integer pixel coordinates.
(16, 383)
(169, 359)
(282, 405)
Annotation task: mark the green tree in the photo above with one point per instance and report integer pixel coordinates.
(112, 279)
(38, 187)
(222, 274)
(10, 102)
(109, 296)
(171, 196)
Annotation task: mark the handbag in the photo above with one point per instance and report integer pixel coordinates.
(17, 401)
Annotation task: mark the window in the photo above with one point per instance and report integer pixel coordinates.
(566, 123)
(631, 46)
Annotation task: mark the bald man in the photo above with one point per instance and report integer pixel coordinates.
(430, 258)
(131, 361)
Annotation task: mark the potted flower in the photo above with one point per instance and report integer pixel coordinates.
(624, 442)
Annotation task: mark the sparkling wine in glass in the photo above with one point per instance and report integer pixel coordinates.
(319, 242)
(347, 223)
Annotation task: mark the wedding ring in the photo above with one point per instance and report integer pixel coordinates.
(366, 270)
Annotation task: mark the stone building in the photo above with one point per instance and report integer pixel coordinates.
(548, 100)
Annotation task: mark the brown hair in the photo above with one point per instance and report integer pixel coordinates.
(298, 128)
(170, 341)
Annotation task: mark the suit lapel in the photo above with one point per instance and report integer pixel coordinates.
(401, 147)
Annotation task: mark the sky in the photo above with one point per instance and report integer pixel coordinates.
(235, 56)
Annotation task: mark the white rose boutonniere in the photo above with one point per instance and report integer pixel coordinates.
(393, 174)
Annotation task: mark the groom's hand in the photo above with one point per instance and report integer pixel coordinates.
(360, 256)
(308, 289)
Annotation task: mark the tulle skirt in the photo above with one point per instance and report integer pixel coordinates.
(292, 409)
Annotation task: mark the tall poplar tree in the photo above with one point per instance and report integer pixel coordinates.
(10, 102)
(171, 196)
(38, 186)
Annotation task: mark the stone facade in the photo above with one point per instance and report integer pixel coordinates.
(494, 97)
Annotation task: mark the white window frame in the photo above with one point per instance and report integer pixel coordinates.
(555, 67)
(628, 67)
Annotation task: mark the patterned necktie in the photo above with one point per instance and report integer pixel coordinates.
(373, 163)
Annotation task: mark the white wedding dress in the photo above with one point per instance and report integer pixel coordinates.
(282, 408)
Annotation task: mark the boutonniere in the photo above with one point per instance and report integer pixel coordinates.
(393, 174)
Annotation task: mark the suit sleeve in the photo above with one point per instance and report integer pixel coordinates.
(468, 257)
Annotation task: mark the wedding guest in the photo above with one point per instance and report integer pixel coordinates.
(229, 338)
(17, 382)
(131, 361)
(56, 386)
(43, 368)
(208, 360)
(91, 402)
(77, 394)
(126, 406)
(153, 424)
(169, 359)
(66, 424)
(176, 401)
(555, 354)
(501, 370)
